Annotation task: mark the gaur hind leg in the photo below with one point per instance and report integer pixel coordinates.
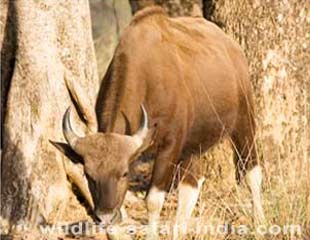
(246, 163)
(188, 192)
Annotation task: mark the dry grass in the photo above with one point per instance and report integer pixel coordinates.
(286, 194)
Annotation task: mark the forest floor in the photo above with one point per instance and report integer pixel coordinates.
(224, 209)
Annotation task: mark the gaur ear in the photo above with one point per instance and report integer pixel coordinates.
(148, 142)
(68, 152)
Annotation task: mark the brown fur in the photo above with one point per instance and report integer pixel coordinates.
(107, 184)
(194, 82)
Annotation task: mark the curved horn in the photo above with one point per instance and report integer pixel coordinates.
(143, 130)
(70, 136)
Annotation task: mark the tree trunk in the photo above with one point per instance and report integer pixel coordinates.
(137, 5)
(182, 8)
(174, 8)
(273, 37)
(46, 47)
(109, 18)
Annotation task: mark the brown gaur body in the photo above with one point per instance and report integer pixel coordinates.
(194, 83)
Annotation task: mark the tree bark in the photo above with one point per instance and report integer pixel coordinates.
(273, 37)
(46, 47)
(109, 18)
(177, 8)
(174, 8)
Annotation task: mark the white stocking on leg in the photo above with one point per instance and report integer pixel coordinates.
(254, 181)
(155, 201)
(187, 199)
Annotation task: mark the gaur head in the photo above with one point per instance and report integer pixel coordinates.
(106, 158)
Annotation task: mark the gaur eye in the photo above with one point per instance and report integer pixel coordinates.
(125, 175)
